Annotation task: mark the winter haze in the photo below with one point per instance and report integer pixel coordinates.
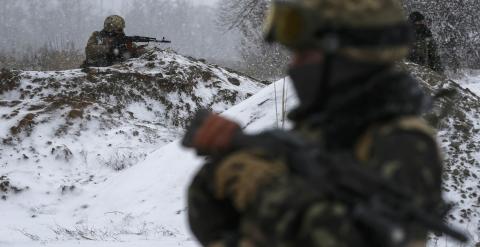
(91, 158)
(27, 25)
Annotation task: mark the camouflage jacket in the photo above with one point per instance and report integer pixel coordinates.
(424, 49)
(100, 52)
(377, 124)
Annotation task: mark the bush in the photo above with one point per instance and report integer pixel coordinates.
(120, 161)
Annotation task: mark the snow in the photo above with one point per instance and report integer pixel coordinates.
(143, 204)
(80, 203)
(471, 82)
(461, 149)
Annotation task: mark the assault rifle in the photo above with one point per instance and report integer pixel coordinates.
(123, 46)
(378, 204)
(141, 39)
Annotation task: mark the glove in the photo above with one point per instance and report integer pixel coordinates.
(212, 220)
(224, 188)
(241, 177)
(238, 175)
(215, 134)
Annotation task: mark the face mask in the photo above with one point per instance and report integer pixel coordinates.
(307, 81)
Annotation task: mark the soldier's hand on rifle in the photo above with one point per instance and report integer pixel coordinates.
(108, 42)
(238, 175)
(214, 134)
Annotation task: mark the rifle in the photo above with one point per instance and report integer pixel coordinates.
(123, 46)
(142, 39)
(375, 202)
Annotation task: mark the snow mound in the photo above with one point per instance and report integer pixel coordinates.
(455, 113)
(63, 131)
(141, 204)
(91, 115)
(145, 204)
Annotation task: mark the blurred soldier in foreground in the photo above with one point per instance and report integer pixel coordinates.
(360, 168)
(424, 49)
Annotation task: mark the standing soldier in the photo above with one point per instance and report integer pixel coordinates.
(356, 108)
(424, 49)
(107, 47)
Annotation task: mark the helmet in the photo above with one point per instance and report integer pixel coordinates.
(114, 23)
(416, 16)
(373, 30)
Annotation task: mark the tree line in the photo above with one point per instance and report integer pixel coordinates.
(230, 34)
(455, 25)
(33, 29)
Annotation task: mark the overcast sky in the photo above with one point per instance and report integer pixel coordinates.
(192, 25)
(113, 3)
(205, 1)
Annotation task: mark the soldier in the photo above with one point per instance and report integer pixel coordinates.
(424, 49)
(107, 47)
(353, 103)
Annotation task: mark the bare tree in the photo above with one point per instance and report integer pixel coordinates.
(261, 60)
(456, 26)
(51, 24)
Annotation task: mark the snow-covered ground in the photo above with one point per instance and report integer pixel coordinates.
(73, 203)
(80, 150)
(471, 81)
(456, 114)
(73, 197)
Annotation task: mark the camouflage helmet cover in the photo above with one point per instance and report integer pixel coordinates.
(359, 17)
(114, 23)
(356, 13)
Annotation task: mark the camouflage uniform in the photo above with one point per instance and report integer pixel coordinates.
(100, 51)
(386, 135)
(362, 112)
(424, 49)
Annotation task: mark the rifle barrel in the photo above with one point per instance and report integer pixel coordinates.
(142, 39)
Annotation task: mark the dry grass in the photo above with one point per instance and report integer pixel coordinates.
(47, 58)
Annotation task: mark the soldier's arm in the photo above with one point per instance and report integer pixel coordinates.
(96, 47)
(409, 155)
(222, 191)
(211, 220)
(276, 205)
(250, 197)
(291, 210)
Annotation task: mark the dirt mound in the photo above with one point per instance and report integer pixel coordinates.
(144, 102)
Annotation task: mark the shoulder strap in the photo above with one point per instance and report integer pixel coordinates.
(364, 143)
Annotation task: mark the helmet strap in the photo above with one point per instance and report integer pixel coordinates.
(312, 83)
